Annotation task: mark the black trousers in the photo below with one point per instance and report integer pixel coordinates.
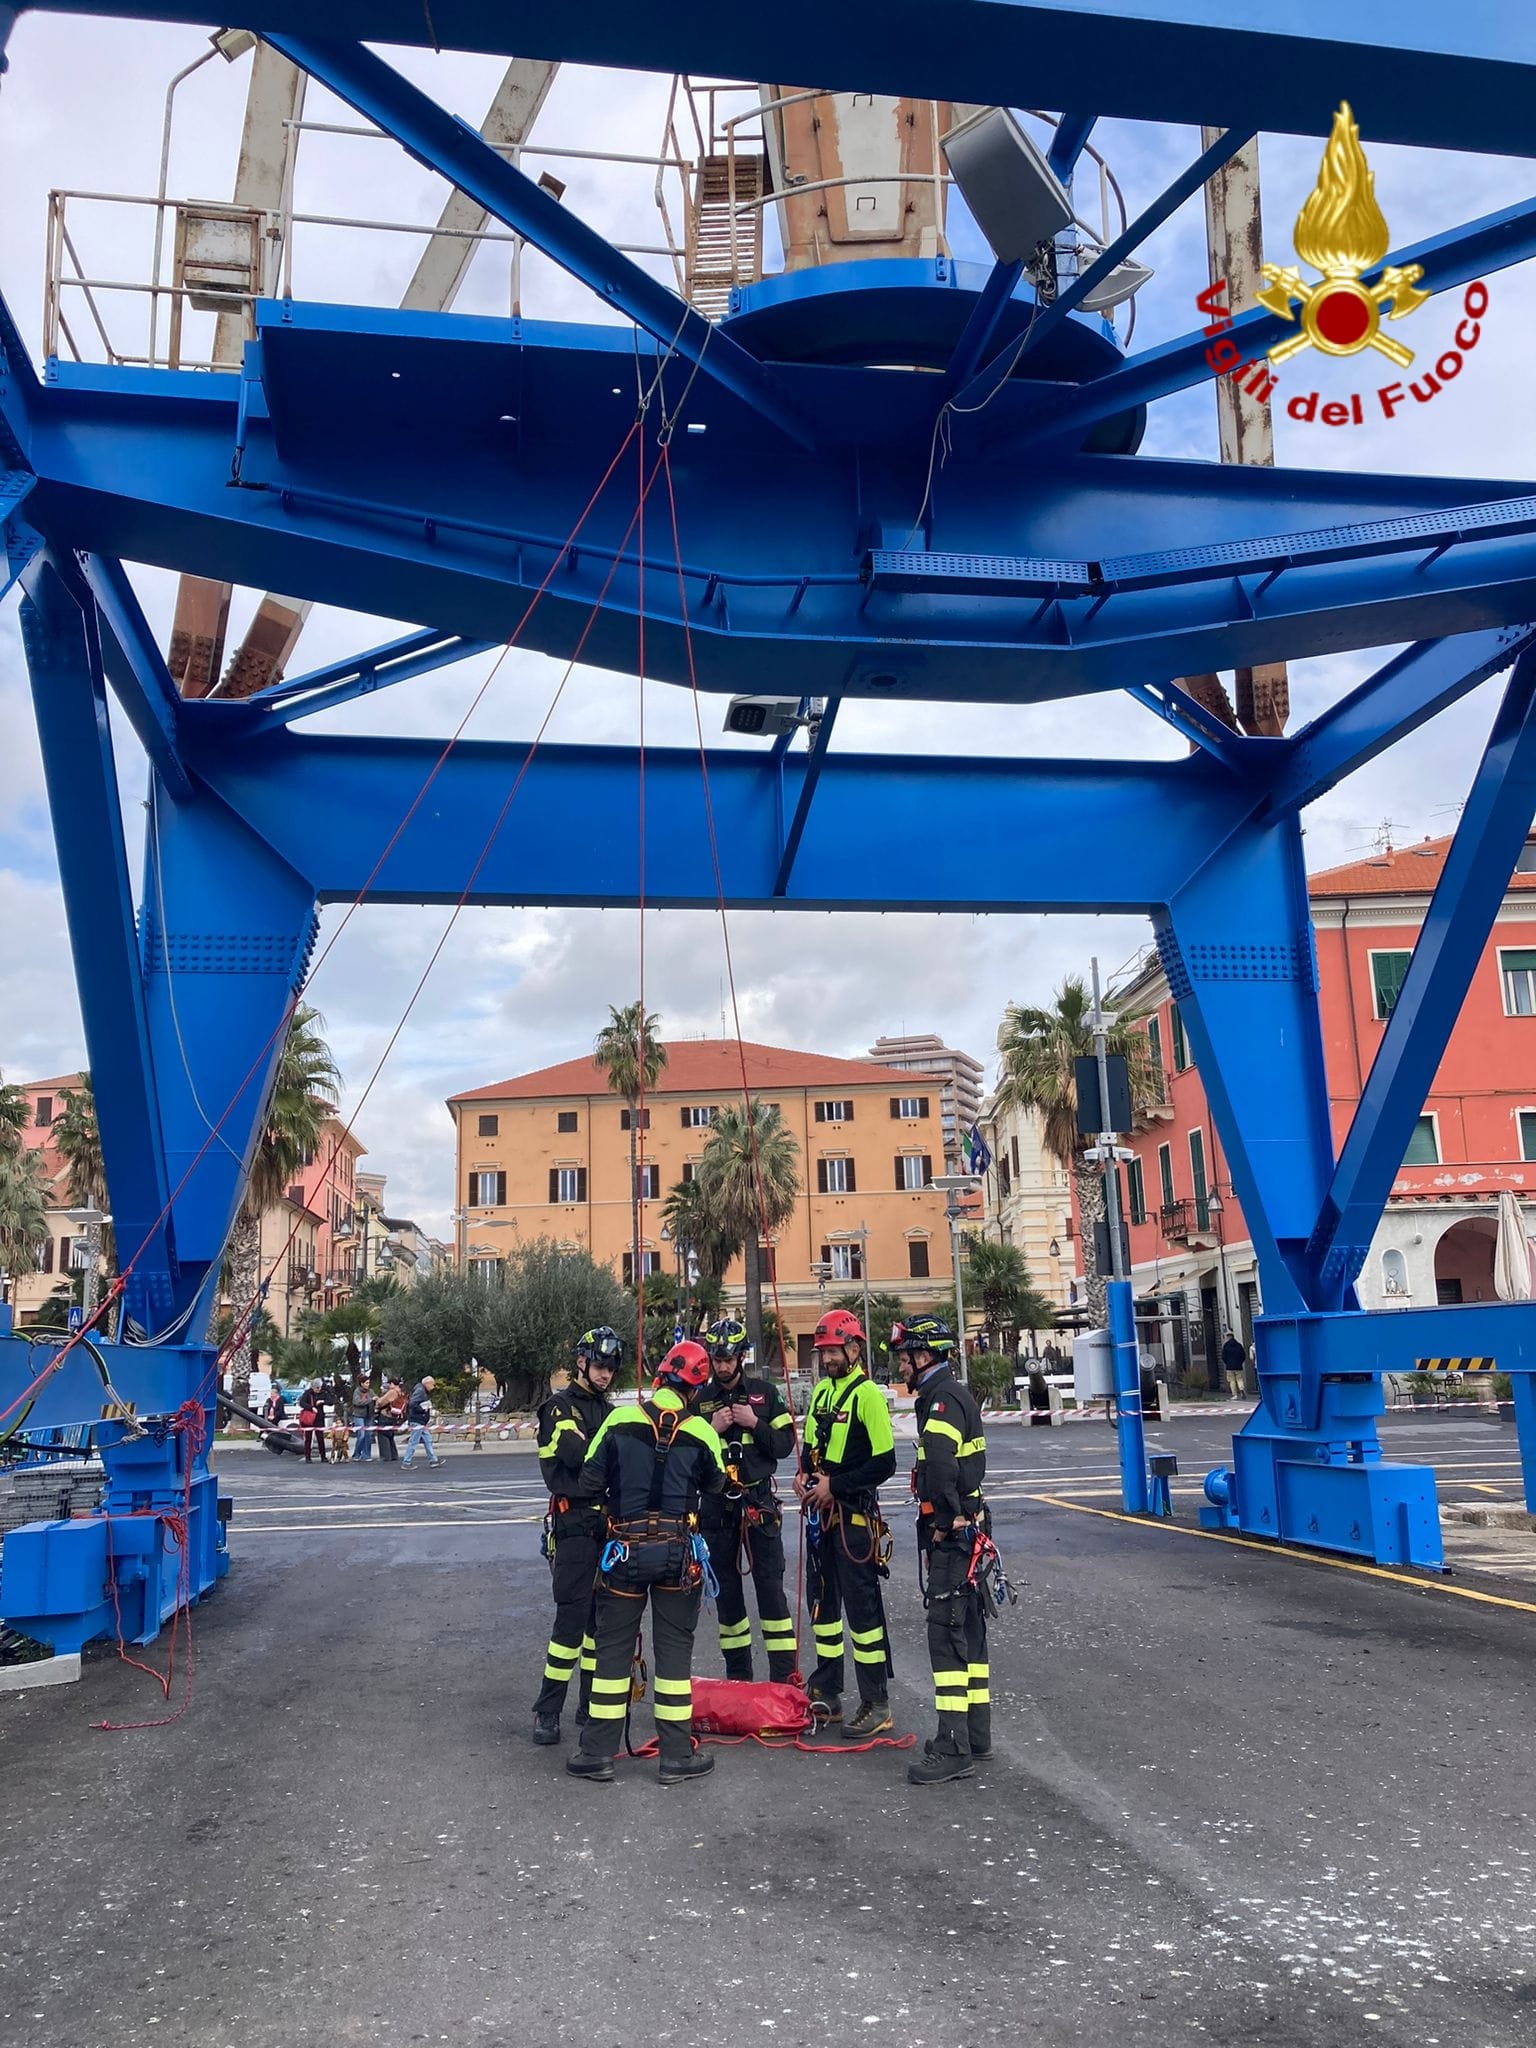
(674, 1618)
(957, 1646)
(385, 1439)
(735, 1539)
(571, 1642)
(843, 1581)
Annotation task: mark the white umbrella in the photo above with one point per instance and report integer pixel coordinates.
(1513, 1278)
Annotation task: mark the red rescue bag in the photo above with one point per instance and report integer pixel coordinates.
(736, 1706)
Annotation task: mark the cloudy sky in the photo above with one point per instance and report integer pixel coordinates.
(81, 109)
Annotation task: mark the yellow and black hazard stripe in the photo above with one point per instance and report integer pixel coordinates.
(1453, 1365)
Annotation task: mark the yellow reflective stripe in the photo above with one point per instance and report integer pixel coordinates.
(611, 1684)
(786, 1627)
(570, 1650)
(983, 1698)
(978, 1670)
(588, 1660)
(559, 1673)
(607, 1710)
(973, 1446)
(675, 1685)
(941, 1429)
(869, 1657)
(949, 1678)
(681, 1712)
(868, 1635)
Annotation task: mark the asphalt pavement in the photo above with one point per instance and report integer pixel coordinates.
(1238, 1795)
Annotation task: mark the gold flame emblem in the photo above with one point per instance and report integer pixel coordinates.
(1341, 231)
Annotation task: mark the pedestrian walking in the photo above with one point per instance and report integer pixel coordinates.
(577, 1529)
(363, 1405)
(391, 1408)
(312, 1423)
(418, 1416)
(1233, 1359)
(742, 1525)
(847, 1453)
(946, 1480)
(650, 1464)
(275, 1408)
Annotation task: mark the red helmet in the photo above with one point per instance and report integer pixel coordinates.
(837, 1326)
(685, 1368)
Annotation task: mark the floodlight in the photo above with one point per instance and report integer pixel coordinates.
(763, 717)
(1016, 198)
(232, 43)
(1122, 283)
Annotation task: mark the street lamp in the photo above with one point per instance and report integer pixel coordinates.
(953, 1186)
(860, 1237)
(1216, 1207)
(821, 1273)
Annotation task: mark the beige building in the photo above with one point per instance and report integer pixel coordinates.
(546, 1155)
(959, 1079)
(1028, 1198)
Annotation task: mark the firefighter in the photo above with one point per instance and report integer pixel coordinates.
(847, 1452)
(951, 1464)
(743, 1524)
(568, 1421)
(650, 1464)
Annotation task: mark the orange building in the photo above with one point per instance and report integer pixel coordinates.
(546, 1155)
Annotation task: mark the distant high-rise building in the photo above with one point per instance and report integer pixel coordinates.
(960, 1079)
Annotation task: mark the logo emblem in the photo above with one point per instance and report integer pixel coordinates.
(1341, 231)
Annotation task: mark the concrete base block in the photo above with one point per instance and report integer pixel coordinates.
(46, 1671)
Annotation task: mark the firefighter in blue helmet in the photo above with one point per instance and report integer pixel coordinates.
(568, 1421)
(650, 1464)
(742, 1525)
(951, 1464)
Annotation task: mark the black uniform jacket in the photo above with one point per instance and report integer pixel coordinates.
(754, 1452)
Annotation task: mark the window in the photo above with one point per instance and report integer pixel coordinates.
(1013, 1147)
(45, 1257)
(1136, 1192)
(488, 1127)
(626, 1119)
(844, 1261)
(1387, 971)
(1197, 1178)
(834, 1112)
(698, 1116)
(1519, 971)
(768, 1263)
(1004, 1176)
(565, 1122)
(44, 1110)
(487, 1190)
(648, 1181)
(913, 1170)
(1180, 1042)
(650, 1262)
(567, 1183)
(1424, 1145)
(1155, 1043)
(1525, 860)
(1165, 1173)
(907, 1108)
(835, 1177)
(688, 1170)
(917, 1258)
(489, 1272)
(1528, 1134)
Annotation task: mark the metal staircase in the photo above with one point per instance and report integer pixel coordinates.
(724, 244)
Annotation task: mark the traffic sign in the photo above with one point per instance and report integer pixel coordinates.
(76, 1316)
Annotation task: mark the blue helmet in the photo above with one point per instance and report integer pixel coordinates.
(923, 1333)
(601, 1346)
(725, 1340)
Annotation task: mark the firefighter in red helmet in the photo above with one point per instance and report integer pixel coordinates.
(649, 1464)
(847, 1451)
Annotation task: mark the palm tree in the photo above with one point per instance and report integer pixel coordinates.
(630, 1054)
(997, 1282)
(696, 1232)
(15, 1115)
(1039, 1048)
(304, 1091)
(77, 1140)
(749, 1178)
(23, 1210)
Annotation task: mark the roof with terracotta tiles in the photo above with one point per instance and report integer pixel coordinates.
(703, 1066)
(1399, 871)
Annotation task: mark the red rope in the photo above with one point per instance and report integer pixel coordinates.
(190, 1424)
(638, 1193)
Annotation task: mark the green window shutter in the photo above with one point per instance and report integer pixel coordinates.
(1422, 1149)
(1528, 1134)
(1387, 973)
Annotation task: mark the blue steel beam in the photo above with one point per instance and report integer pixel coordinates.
(1068, 143)
(449, 146)
(369, 662)
(69, 692)
(365, 676)
(1202, 728)
(326, 804)
(1397, 700)
(815, 761)
(136, 668)
(1493, 828)
(1167, 203)
(1493, 242)
(1449, 77)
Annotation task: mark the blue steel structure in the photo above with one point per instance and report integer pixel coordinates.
(432, 467)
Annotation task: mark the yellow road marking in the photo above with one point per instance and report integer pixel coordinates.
(1276, 1550)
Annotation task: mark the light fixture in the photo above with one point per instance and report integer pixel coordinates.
(764, 717)
(1122, 283)
(1053, 1249)
(232, 43)
(1214, 1204)
(554, 186)
(1017, 200)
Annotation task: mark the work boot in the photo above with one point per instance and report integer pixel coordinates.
(546, 1730)
(827, 1710)
(677, 1770)
(941, 1761)
(873, 1718)
(598, 1770)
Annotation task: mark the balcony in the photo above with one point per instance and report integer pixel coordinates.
(1184, 1222)
(1155, 1106)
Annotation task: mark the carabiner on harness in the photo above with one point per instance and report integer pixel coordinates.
(614, 1553)
(702, 1560)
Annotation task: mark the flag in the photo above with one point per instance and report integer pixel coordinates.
(978, 1158)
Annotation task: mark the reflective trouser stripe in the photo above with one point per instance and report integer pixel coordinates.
(779, 1635)
(588, 1654)
(663, 1712)
(607, 1710)
(868, 1645)
(611, 1684)
(560, 1662)
(735, 1635)
(674, 1699)
(977, 1677)
(675, 1685)
(869, 1656)
(949, 1691)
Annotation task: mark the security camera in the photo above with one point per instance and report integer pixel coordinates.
(764, 717)
(1015, 197)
